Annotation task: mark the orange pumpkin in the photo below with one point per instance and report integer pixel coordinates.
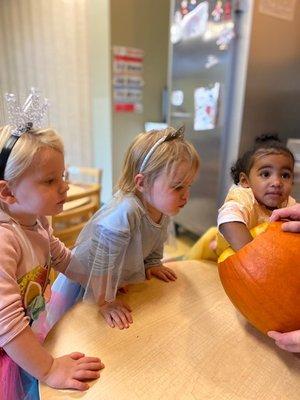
(263, 279)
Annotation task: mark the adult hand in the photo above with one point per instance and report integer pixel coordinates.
(161, 272)
(291, 213)
(117, 313)
(289, 341)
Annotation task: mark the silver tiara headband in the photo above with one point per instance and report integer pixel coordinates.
(22, 119)
(26, 117)
(177, 134)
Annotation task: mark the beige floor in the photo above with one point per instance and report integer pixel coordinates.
(180, 248)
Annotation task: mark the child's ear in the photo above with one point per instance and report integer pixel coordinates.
(139, 181)
(6, 194)
(244, 181)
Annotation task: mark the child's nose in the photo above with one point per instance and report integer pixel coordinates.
(64, 187)
(277, 181)
(185, 194)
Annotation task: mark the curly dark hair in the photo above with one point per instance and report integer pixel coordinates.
(267, 143)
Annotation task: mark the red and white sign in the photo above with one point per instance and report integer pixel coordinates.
(127, 79)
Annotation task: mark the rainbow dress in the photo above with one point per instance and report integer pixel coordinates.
(15, 383)
(35, 293)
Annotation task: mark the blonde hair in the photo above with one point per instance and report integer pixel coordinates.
(26, 148)
(166, 157)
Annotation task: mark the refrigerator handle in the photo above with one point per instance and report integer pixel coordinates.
(240, 6)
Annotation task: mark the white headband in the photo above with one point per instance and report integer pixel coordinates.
(151, 151)
(179, 133)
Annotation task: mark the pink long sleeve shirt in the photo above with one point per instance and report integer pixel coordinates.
(21, 251)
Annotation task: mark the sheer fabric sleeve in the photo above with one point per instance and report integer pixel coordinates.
(98, 260)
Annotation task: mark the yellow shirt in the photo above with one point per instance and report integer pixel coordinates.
(241, 206)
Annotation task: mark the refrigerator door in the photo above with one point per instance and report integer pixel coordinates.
(199, 79)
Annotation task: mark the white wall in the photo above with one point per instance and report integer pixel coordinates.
(44, 44)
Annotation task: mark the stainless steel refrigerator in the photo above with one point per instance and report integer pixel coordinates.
(234, 72)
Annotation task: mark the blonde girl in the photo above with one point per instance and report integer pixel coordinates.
(123, 243)
(31, 186)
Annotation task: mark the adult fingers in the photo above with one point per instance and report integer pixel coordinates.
(292, 212)
(289, 341)
(275, 216)
(291, 226)
(274, 335)
(292, 348)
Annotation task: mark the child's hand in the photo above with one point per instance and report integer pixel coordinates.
(117, 313)
(70, 371)
(289, 341)
(161, 272)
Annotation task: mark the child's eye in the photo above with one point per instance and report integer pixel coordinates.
(265, 174)
(49, 181)
(286, 175)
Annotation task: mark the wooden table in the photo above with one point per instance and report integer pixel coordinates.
(187, 342)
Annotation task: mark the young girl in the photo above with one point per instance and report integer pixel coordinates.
(263, 180)
(31, 187)
(123, 242)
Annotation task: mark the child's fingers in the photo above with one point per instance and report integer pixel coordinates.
(77, 385)
(171, 274)
(89, 359)
(171, 277)
(120, 319)
(126, 306)
(76, 355)
(125, 315)
(109, 320)
(91, 363)
(85, 374)
(162, 275)
(148, 273)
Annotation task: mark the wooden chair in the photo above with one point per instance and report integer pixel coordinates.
(82, 202)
